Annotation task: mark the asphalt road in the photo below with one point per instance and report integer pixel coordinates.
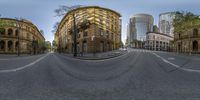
(137, 75)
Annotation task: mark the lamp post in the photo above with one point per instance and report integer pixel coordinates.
(94, 50)
(18, 35)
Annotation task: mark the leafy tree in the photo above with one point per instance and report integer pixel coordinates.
(60, 12)
(63, 9)
(48, 45)
(55, 27)
(185, 21)
(42, 32)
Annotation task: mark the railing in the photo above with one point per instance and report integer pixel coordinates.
(8, 36)
(15, 37)
(187, 37)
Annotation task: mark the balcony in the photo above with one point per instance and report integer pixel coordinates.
(187, 37)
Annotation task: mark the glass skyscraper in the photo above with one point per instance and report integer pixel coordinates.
(166, 23)
(139, 25)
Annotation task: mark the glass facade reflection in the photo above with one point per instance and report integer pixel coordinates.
(166, 23)
(139, 25)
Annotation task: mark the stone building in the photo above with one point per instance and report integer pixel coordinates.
(98, 30)
(19, 35)
(158, 41)
(187, 42)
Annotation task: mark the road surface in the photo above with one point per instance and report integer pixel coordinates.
(137, 75)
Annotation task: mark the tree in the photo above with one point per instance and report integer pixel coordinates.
(34, 46)
(48, 45)
(55, 27)
(184, 22)
(42, 32)
(61, 11)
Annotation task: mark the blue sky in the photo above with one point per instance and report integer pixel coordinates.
(41, 12)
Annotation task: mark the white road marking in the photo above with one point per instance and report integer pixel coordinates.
(177, 66)
(23, 67)
(171, 58)
(4, 59)
(16, 58)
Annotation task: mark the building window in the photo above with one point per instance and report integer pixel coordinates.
(195, 45)
(10, 31)
(79, 35)
(16, 32)
(2, 31)
(85, 33)
(2, 45)
(107, 34)
(179, 35)
(112, 27)
(10, 45)
(84, 46)
(195, 32)
(101, 31)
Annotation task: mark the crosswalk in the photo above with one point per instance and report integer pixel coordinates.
(140, 50)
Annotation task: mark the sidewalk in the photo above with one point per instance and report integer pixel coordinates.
(100, 56)
(8, 56)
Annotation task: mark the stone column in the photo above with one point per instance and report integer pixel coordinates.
(6, 31)
(6, 46)
(14, 46)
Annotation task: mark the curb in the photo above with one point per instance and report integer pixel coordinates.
(89, 58)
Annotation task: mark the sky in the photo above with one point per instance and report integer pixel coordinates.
(41, 12)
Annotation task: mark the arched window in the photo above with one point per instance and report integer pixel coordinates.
(195, 32)
(16, 32)
(2, 45)
(2, 31)
(84, 46)
(179, 35)
(10, 45)
(195, 45)
(10, 31)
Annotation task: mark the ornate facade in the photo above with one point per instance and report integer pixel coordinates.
(19, 36)
(187, 42)
(98, 30)
(158, 41)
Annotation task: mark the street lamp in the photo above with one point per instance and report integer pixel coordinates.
(18, 34)
(92, 38)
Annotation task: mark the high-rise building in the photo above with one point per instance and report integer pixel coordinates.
(138, 26)
(166, 23)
